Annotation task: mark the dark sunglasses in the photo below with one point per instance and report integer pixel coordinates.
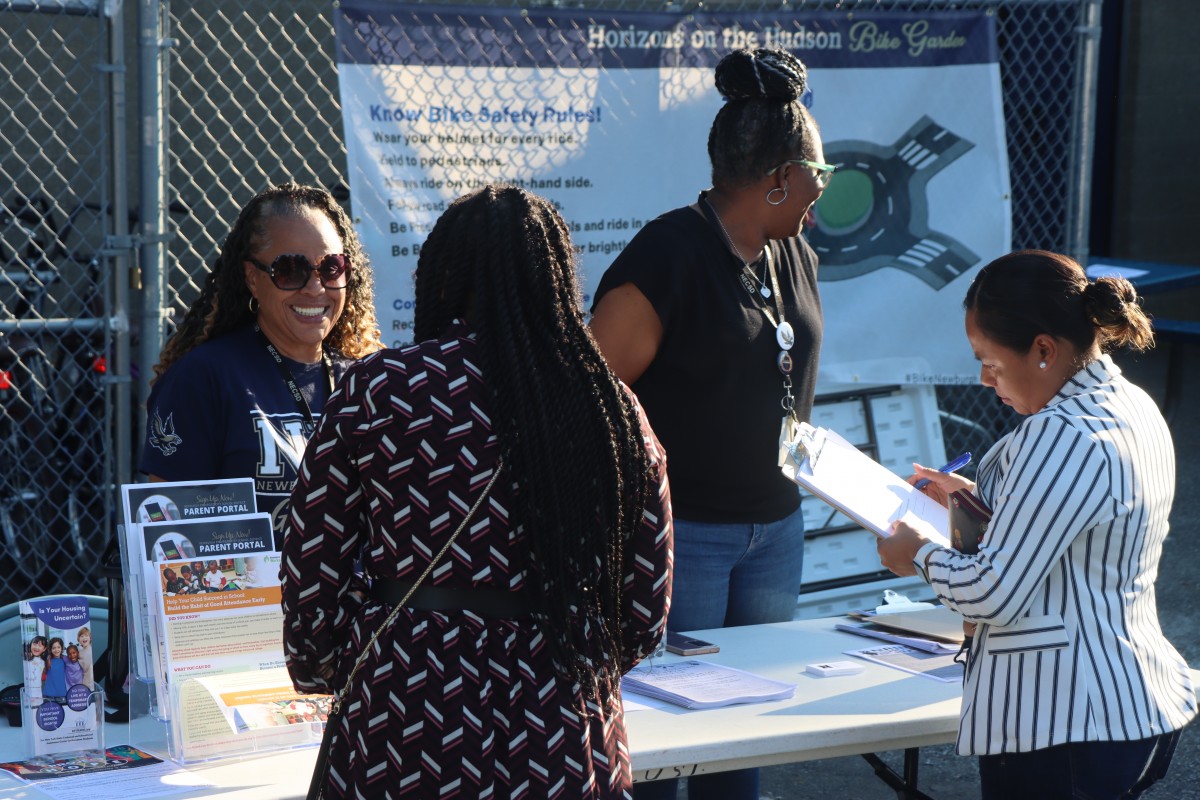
(291, 271)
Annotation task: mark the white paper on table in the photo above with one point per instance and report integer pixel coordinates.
(862, 488)
(870, 631)
(153, 780)
(940, 667)
(704, 684)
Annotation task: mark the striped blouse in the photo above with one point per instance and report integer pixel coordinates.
(1069, 647)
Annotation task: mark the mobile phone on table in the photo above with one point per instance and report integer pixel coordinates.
(689, 646)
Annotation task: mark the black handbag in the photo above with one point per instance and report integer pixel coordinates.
(316, 788)
(969, 518)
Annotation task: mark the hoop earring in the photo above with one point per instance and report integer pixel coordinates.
(780, 201)
(252, 304)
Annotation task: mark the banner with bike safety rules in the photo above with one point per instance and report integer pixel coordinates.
(607, 114)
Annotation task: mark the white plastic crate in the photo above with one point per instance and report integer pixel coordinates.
(905, 429)
(839, 555)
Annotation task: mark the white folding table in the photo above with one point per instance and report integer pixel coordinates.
(879, 709)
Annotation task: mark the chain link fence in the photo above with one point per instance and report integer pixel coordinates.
(56, 336)
(252, 99)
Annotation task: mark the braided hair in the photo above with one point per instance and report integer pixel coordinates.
(502, 258)
(763, 123)
(224, 302)
(1030, 292)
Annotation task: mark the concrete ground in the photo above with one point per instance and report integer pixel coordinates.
(946, 776)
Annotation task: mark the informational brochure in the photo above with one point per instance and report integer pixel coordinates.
(79, 762)
(257, 700)
(703, 684)
(58, 660)
(223, 654)
(221, 611)
(824, 463)
(938, 666)
(238, 713)
(165, 502)
(121, 771)
(232, 623)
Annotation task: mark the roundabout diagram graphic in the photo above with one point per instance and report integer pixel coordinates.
(875, 214)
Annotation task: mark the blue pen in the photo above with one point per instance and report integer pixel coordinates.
(953, 466)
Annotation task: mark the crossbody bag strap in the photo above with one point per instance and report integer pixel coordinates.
(340, 697)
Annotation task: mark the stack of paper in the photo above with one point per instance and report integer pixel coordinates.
(872, 631)
(932, 623)
(702, 684)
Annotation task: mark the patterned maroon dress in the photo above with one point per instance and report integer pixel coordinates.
(447, 704)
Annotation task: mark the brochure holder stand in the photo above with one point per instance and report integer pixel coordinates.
(216, 694)
(137, 613)
(75, 725)
(200, 730)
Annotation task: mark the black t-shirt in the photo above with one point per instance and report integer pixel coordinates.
(713, 392)
(225, 411)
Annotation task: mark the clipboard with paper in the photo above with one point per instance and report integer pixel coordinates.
(836, 471)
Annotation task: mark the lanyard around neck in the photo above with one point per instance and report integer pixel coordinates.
(747, 278)
(289, 380)
(785, 336)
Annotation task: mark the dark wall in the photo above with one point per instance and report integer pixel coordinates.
(1153, 209)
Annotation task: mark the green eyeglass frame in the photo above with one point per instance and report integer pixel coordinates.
(824, 171)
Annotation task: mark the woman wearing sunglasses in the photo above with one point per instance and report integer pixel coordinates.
(711, 315)
(240, 385)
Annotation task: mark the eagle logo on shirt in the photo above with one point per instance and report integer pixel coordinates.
(162, 434)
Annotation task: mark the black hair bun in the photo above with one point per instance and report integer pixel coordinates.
(762, 74)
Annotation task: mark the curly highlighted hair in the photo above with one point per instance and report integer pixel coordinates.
(224, 303)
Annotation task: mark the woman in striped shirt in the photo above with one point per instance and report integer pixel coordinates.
(1071, 688)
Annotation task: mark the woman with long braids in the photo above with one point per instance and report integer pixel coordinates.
(711, 314)
(499, 676)
(239, 387)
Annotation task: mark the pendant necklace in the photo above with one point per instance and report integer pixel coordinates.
(785, 336)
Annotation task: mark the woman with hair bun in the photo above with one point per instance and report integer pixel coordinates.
(1071, 688)
(711, 314)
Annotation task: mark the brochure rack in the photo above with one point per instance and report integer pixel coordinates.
(203, 604)
(50, 717)
(199, 731)
(137, 616)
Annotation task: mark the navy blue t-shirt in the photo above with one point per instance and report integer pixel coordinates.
(225, 411)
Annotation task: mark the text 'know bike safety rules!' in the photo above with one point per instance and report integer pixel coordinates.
(607, 115)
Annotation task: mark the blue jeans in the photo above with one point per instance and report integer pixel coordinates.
(1082, 771)
(728, 575)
